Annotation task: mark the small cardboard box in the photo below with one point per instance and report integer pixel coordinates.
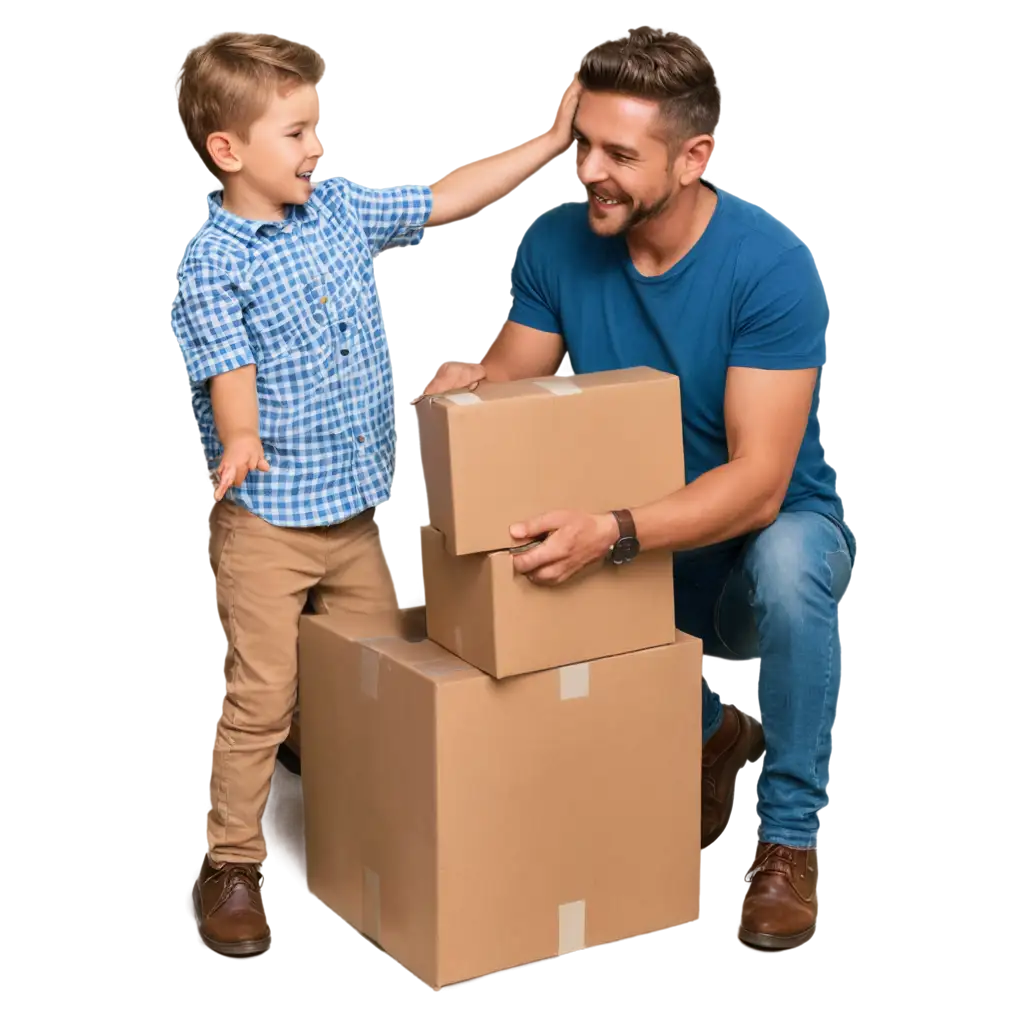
(507, 452)
(467, 825)
(482, 610)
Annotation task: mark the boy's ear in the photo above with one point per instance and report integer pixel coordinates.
(223, 150)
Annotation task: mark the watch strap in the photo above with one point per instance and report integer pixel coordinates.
(627, 528)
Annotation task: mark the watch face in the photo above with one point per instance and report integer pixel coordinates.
(625, 550)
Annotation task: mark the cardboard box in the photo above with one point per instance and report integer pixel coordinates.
(508, 452)
(468, 825)
(479, 608)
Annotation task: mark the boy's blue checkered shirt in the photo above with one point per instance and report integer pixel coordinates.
(298, 299)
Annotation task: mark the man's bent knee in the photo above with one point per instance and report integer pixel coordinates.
(801, 558)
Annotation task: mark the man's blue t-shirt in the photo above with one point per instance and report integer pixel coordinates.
(747, 294)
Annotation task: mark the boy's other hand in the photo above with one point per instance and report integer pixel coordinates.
(452, 376)
(240, 456)
(562, 129)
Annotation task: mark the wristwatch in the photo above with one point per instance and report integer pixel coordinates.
(627, 547)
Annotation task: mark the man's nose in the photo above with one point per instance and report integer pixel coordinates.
(590, 169)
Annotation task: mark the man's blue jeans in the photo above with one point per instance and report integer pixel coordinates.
(774, 595)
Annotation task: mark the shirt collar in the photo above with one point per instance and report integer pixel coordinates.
(247, 230)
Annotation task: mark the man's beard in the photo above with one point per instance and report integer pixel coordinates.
(642, 213)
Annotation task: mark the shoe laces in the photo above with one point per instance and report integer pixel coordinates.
(773, 858)
(234, 875)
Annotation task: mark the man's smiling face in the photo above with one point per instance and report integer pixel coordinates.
(625, 160)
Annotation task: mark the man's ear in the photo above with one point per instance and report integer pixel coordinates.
(693, 158)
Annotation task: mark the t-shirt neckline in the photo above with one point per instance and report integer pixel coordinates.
(687, 257)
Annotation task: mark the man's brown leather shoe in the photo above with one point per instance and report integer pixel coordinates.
(739, 739)
(229, 909)
(781, 907)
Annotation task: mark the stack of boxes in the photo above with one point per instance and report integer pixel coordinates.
(513, 772)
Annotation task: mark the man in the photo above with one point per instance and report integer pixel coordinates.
(659, 268)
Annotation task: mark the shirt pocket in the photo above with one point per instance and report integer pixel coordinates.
(282, 333)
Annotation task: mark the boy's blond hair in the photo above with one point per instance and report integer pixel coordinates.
(225, 84)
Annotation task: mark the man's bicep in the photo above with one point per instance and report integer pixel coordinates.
(520, 351)
(766, 415)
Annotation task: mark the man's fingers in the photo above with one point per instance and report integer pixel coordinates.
(452, 376)
(536, 558)
(535, 527)
(550, 575)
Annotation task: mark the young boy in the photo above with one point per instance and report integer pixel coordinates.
(278, 319)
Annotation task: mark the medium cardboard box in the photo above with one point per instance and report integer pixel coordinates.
(508, 452)
(481, 609)
(467, 825)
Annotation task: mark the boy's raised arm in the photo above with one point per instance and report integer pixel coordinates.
(469, 189)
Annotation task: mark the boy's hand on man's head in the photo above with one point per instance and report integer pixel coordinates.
(562, 128)
(241, 454)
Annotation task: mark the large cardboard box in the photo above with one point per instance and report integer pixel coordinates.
(468, 825)
(508, 452)
(481, 609)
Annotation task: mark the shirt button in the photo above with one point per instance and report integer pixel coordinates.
(323, 300)
(360, 439)
(342, 327)
(344, 351)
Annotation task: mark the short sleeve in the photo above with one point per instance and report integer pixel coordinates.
(389, 217)
(533, 302)
(207, 321)
(782, 317)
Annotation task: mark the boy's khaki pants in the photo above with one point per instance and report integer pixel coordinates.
(264, 575)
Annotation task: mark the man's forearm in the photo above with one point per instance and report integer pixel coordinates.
(235, 408)
(469, 189)
(728, 501)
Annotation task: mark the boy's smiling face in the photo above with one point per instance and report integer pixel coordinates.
(273, 169)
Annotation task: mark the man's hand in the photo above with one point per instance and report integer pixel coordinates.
(241, 454)
(452, 376)
(561, 132)
(574, 541)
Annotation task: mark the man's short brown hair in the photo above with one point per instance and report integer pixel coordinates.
(225, 84)
(663, 66)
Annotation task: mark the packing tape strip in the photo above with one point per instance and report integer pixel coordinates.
(463, 398)
(559, 387)
(371, 904)
(444, 666)
(572, 926)
(369, 670)
(574, 681)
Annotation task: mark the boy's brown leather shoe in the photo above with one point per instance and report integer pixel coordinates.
(229, 909)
